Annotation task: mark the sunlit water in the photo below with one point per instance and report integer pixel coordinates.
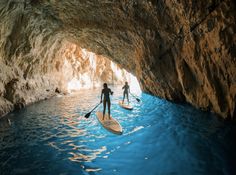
(52, 137)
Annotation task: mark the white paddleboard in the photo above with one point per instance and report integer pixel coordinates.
(111, 125)
(126, 106)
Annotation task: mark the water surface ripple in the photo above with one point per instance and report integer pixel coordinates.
(52, 137)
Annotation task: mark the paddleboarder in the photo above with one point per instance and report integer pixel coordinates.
(126, 92)
(106, 99)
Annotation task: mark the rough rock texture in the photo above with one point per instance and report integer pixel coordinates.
(180, 50)
(83, 69)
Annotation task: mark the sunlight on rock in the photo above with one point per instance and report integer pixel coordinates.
(75, 84)
(134, 85)
(84, 69)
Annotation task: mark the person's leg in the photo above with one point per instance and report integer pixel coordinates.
(128, 97)
(123, 97)
(109, 106)
(104, 108)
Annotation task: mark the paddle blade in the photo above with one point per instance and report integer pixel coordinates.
(138, 99)
(87, 115)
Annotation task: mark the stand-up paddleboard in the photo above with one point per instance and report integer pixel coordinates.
(126, 106)
(111, 125)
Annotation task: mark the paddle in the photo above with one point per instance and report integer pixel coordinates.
(88, 114)
(136, 98)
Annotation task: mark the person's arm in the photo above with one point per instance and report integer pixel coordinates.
(111, 92)
(123, 87)
(101, 96)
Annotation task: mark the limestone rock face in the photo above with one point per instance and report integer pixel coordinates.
(179, 50)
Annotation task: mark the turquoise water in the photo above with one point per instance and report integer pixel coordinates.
(52, 137)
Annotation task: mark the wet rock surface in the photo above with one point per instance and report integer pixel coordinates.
(179, 50)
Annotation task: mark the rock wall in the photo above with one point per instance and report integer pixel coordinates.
(179, 50)
(200, 58)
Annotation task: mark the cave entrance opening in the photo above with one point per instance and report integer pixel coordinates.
(83, 69)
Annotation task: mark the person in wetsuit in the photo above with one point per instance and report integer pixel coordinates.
(106, 99)
(126, 92)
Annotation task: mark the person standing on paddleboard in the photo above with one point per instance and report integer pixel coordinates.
(126, 92)
(106, 99)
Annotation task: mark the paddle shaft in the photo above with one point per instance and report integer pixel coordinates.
(135, 97)
(88, 114)
(94, 107)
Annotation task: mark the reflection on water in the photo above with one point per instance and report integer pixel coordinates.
(53, 137)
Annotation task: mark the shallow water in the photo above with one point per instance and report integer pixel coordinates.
(52, 137)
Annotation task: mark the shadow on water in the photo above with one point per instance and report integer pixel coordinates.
(53, 137)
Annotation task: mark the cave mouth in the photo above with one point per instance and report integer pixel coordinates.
(80, 68)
